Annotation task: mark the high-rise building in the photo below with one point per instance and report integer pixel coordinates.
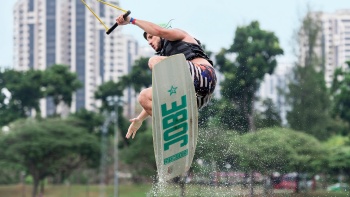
(333, 43)
(271, 86)
(48, 32)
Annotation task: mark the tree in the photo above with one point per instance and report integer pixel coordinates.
(308, 152)
(309, 101)
(256, 52)
(89, 120)
(270, 116)
(48, 147)
(224, 115)
(140, 156)
(212, 151)
(107, 90)
(277, 149)
(338, 159)
(306, 147)
(211, 146)
(307, 93)
(341, 93)
(10, 172)
(309, 35)
(139, 77)
(24, 89)
(209, 116)
(60, 84)
(263, 151)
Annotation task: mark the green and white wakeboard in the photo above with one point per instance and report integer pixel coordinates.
(174, 117)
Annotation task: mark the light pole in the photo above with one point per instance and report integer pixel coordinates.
(116, 148)
(228, 167)
(103, 156)
(114, 100)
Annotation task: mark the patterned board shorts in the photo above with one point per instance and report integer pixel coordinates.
(204, 81)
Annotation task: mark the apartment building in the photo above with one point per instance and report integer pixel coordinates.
(272, 85)
(48, 32)
(333, 43)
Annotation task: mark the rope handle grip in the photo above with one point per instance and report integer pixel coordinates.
(116, 24)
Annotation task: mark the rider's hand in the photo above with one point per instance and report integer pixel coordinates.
(134, 126)
(121, 21)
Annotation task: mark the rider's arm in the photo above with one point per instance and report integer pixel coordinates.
(156, 30)
(153, 29)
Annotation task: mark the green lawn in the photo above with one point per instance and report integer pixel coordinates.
(76, 191)
(143, 190)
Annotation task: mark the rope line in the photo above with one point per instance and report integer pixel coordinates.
(97, 17)
(114, 6)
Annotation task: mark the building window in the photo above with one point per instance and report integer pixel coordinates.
(31, 5)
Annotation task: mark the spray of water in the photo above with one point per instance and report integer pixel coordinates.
(210, 149)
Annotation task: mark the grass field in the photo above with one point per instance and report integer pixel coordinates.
(148, 190)
(76, 191)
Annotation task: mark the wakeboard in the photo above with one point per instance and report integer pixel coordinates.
(174, 117)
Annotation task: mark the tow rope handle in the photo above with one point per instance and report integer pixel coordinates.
(116, 24)
(108, 30)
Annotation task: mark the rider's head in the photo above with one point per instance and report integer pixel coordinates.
(155, 41)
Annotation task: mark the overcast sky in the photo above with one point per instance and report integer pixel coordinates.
(212, 22)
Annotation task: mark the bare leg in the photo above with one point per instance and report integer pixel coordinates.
(154, 60)
(145, 100)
